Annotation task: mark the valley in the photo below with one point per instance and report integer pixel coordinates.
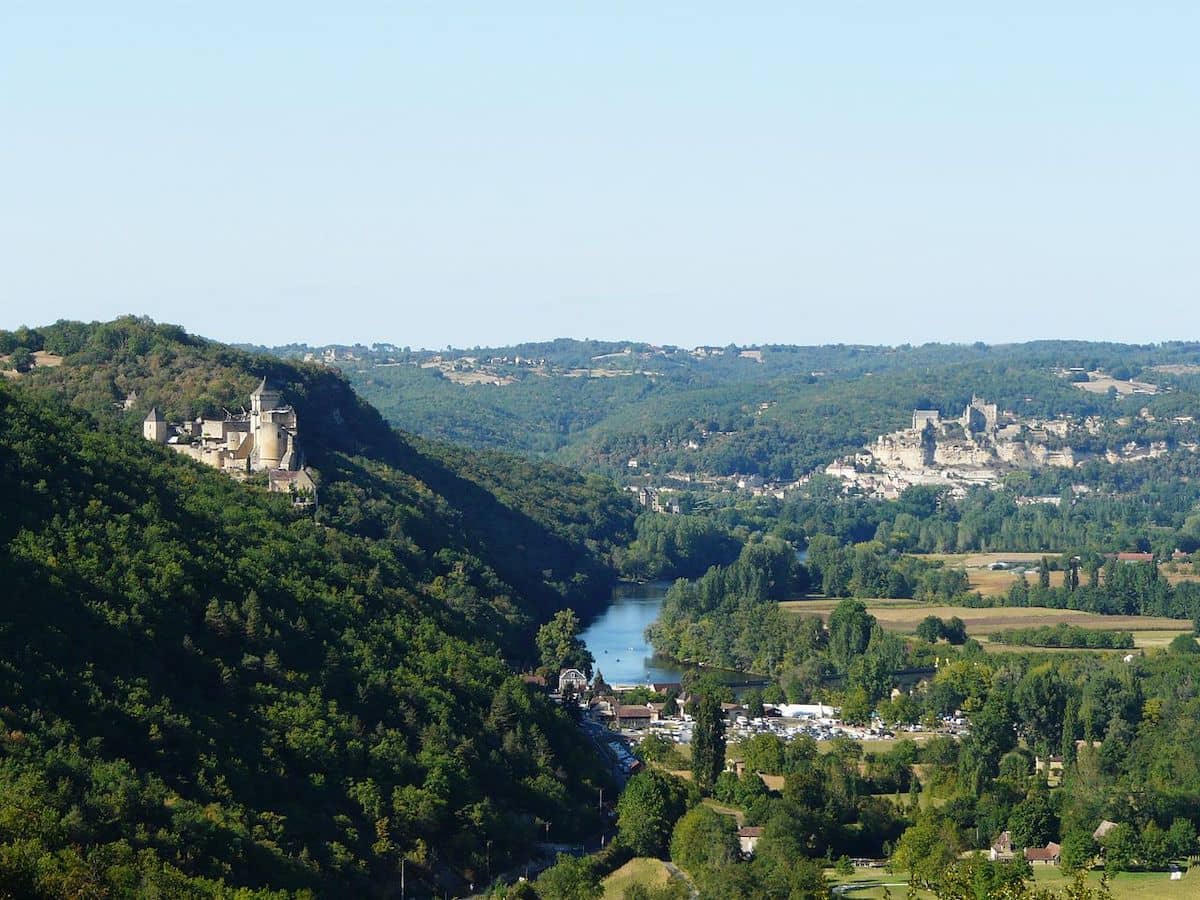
(458, 662)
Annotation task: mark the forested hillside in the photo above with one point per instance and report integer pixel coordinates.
(544, 530)
(200, 685)
(774, 411)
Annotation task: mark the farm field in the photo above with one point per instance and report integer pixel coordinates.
(1177, 572)
(903, 616)
(1099, 383)
(983, 560)
(643, 870)
(1124, 886)
(994, 582)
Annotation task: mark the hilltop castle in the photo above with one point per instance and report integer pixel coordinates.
(263, 439)
(957, 452)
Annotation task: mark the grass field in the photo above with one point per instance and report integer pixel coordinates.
(1100, 383)
(994, 582)
(989, 582)
(642, 870)
(880, 746)
(1126, 886)
(903, 616)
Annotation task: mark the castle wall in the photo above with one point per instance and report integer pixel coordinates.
(207, 455)
(1064, 458)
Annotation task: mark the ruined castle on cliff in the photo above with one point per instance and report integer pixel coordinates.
(982, 437)
(264, 439)
(975, 448)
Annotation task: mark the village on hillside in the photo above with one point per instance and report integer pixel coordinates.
(974, 449)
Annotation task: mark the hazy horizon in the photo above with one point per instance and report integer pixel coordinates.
(628, 340)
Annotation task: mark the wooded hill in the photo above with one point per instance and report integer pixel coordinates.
(650, 403)
(201, 687)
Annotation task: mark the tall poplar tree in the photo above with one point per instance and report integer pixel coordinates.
(708, 742)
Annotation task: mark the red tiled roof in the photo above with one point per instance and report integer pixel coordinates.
(1042, 854)
(633, 712)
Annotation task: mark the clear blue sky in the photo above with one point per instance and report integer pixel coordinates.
(439, 173)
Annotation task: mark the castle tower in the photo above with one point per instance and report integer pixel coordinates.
(980, 416)
(154, 426)
(265, 397)
(270, 442)
(271, 426)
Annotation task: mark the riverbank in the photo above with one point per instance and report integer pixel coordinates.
(625, 657)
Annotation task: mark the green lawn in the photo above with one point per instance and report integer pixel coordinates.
(1130, 885)
(642, 870)
(1126, 886)
(873, 881)
(879, 746)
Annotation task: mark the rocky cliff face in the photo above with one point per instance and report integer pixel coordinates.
(964, 454)
(903, 450)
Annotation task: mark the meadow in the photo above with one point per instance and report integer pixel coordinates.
(879, 883)
(903, 616)
(642, 870)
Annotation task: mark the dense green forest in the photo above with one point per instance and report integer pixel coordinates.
(548, 532)
(203, 686)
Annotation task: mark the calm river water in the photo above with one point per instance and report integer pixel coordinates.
(618, 638)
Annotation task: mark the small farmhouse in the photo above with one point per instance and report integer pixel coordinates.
(748, 838)
(1049, 855)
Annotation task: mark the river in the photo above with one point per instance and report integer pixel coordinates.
(617, 638)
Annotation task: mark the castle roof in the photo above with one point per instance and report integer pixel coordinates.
(154, 415)
(264, 388)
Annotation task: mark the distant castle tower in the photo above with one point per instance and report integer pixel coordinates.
(980, 416)
(154, 426)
